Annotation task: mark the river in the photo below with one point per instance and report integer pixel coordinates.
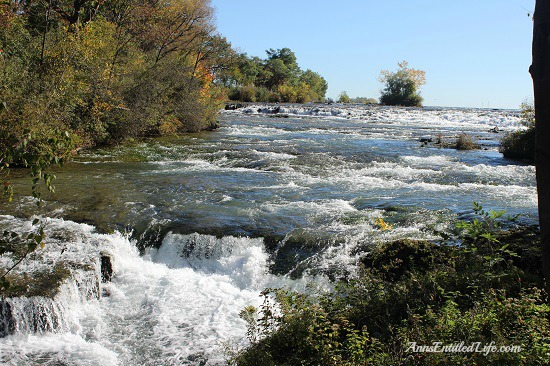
(198, 225)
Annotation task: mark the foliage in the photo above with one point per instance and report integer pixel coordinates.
(363, 100)
(343, 97)
(19, 246)
(401, 87)
(465, 142)
(414, 291)
(110, 70)
(527, 114)
(275, 79)
(76, 74)
(485, 226)
(521, 144)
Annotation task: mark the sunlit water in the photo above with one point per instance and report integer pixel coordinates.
(268, 200)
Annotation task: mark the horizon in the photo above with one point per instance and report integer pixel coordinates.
(475, 55)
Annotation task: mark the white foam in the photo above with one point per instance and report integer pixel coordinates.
(433, 117)
(176, 305)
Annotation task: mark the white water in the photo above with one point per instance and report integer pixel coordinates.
(176, 305)
(433, 117)
(322, 177)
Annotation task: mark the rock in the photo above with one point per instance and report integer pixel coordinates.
(106, 267)
(232, 107)
(7, 324)
(425, 139)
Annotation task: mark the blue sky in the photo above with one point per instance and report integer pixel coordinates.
(475, 53)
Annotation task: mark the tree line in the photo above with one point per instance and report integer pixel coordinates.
(277, 78)
(107, 70)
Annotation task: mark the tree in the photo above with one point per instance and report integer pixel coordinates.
(540, 72)
(316, 84)
(402, 87)
(275, 79)
(277, 73)
(286, 55)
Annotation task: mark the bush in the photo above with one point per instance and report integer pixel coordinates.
(274, 98)
(465, 142)
(519, 145)
(262, 94)
(414, 291)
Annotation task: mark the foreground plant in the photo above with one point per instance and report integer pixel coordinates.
(484, 291)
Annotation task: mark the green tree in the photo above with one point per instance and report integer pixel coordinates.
(343, 97)
(276, 73)
(287, 56)
(275, 79)
(402, 87)
(316, 84)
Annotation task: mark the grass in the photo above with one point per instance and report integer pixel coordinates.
(465, 142)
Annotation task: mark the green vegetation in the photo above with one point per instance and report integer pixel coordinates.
(485, 288)
(363, 100)
(18, 246)
(278, 78)
(343, 97)
(108, 71)
(402, 87)
(521, 144)
(87, 73)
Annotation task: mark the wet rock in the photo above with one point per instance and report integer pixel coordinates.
(425, 139)
(233, 107)
(106, 263)
(7, 324)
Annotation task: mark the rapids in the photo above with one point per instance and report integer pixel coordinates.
(279, 196)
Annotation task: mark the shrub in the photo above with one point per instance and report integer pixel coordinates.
(243, 94)
(413, 291)
(519, 145)
(248, 94)
(465, 142)
(262, 94)
(288, 93)
(274, 98)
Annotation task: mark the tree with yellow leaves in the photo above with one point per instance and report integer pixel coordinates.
(402, 87)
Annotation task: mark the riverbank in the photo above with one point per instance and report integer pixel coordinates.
(411, 299)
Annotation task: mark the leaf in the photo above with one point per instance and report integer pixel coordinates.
(496, 214)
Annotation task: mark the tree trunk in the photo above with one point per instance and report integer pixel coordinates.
(540, 71)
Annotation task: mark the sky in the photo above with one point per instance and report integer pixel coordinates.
(476, 53)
